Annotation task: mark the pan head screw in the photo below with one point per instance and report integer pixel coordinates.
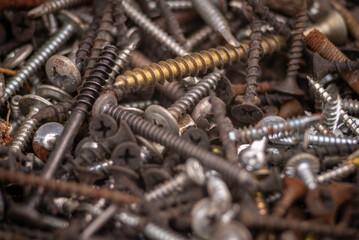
(162, 117)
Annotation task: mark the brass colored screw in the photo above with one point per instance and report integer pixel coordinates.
(192, 64)
(325, 48)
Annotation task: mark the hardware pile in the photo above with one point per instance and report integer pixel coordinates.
(179, 119)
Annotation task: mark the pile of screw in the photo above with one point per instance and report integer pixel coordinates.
(179, 119)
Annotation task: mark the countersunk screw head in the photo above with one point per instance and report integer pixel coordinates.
(127, 154)
(103, 126)
(162, 118)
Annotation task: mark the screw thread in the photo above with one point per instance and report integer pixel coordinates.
(297, 43)
(323, 140)
(52, 6)
(307, 175)
(24, 133)
(332, 110)
(192, 65)
(213, 17)
(85, 46)
(349, 122)
(254, 56)
(183, 147)
(14, 106)
(336, 174)
(146, 24)
(180, 5)
(351, 106)
(250, 134)
(120, 23)
(199, 36)
(189, 100)
(37, 60)
(168, 187)
(92, 87)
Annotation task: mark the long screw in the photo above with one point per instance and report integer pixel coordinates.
(213, 17)
(120, 24)
(38, 59)
(192, 65)
(325, 48)
(337, 173)
(324, 95)
(199, 36)
(52, 6)
(248, 111)
(289, 84)
(180, 145)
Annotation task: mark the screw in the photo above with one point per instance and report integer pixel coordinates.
(324, 140)
(351, 106)
(120, 24)
(248, 112)
(198, 36)
(54, 113)
(332, 109)
(337, 173)
(29, 105)
(304, 165)
(324, 95)
(17, 56)
(322, 45)
(187, 102)
(181, 146)
(351, 22)
(289, 84)
(52, 6)
(191, 65)
(39, 58)
(213, 17)
(180, 5)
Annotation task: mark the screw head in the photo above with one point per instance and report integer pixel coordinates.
(68, 17)
(127, 154)
(29, 101)
(197, 136)
(17, 56)
(53, 93)
(247, 113)
(294, 162)
(105, 100)
(161, 117)
(45, 138)
(63, 73)
(103, 126)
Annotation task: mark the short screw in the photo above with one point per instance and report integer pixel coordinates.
(337, 173)
(39, 58)
(213, 17)
(52, 6)
(304, 165)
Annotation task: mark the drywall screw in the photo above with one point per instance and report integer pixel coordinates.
(171, 22)
(191, 65)
(198, 36)
(304, 165)
(322, 67)
(52, 6)
(337, 173)
(180, 145)
(248, 111)
(29, 105)
(193, 173)
(289, 84)
(250, 134)
(324, 95)
(265, 14)
(224, 127)
(352, 24)
(322, 45)
(214, 18)
(150, 230)
(38, 59)
(169, 117)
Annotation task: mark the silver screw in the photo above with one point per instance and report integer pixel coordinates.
(332, 109)
(351, 106)
(213, 17)
(304, 165)
(325, 96)
(337, 173)
(52, 6)
(29, 105)
(324, 140)
(180, 5)
(199, 36)
(38, 59)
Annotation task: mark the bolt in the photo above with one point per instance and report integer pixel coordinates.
(322, 45)
(213, 17)
(324, 95)
(191, 65)
(304, 165)
(38, 59)
(52, 6)
(289, 84)
(181, 146)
